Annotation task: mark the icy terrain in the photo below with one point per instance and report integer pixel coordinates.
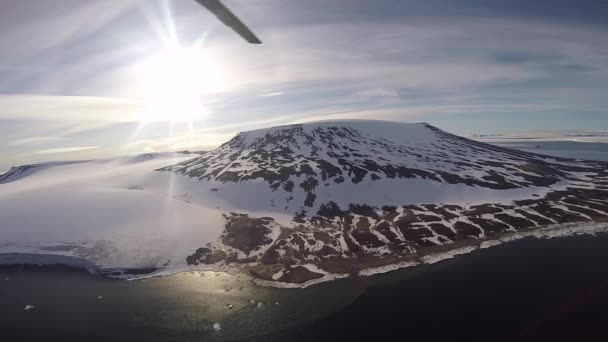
(297, 204)
(103, 211)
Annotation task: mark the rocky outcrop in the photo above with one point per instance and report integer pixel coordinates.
(307, 165)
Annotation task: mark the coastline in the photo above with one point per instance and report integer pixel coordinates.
(421, 258)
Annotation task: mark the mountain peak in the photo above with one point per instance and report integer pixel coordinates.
(313, 163)
(335, 191)
(399, 132)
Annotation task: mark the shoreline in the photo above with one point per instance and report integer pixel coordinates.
(548, 232)
(458, 249)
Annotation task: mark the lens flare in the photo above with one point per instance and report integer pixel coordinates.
(173, 81)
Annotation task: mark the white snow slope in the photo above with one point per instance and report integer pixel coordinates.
(372, 162)
(116, 213)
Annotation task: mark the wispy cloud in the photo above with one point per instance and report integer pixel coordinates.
(74, 108)
(67, 149)
(34, 141)
(378, 92)
(273, 94)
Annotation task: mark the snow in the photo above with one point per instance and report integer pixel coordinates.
(401, 133)
(489, 243)
(388, 268)
(277, 275)
(325, 278)
(437, 257)
(419, 191)
(85, 214)
(112, 214)
(411, 145)
(578, 145)
(549, 232)
(532, 137)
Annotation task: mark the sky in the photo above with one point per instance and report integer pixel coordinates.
(99, 78)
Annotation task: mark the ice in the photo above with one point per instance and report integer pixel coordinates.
(112, 214)
(489, 243)
(435, 258)
(388, 268)
(85, 211)
(277, 275)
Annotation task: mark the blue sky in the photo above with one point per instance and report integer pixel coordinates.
(71, 80)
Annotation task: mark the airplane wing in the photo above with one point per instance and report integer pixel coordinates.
(229, 19)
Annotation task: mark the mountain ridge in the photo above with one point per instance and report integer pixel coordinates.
(306, 156)
(358, 198)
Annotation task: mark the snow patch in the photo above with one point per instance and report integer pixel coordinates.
(435, 258)
(388, 268)
(489, 243)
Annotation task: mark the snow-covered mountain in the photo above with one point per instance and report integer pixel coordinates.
(302, 202)
(361, 193)
(380, 163)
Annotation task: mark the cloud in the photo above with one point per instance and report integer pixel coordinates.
(72, 108)
(193, 141)
(437, 55)
(317, 62)
(273, 94)
(67, 149)
(33, 141)
(378, 92)
(31, 21)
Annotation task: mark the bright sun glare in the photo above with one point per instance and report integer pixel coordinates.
(173, 81)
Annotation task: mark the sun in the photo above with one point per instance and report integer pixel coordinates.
(173, 81)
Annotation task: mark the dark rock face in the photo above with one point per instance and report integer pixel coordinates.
(368, 232)
(298, 274)
(205, 255)
(245, 233)
(330, 210)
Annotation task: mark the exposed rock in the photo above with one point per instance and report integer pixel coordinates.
(298, 274)
(245, 233)
(303, 164)
(206, 255)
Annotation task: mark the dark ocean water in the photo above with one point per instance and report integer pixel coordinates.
(527, 290)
